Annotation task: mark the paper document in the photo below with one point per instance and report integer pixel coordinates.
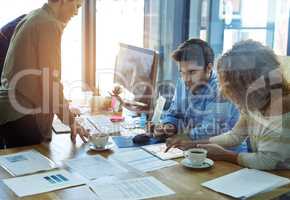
(159, 151)
(26, 162)
(246, 183)
(160, 103)
(93, 167)
(142, 160)
(59, 127)
(133, 189)
(41, 183)
(104, 125)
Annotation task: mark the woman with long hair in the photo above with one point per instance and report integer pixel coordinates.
(250, 76)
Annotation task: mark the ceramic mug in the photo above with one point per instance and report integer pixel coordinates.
(195, 155)
(99, 140)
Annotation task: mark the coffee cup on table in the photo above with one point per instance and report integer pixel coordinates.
(99, 140)
(196, 156)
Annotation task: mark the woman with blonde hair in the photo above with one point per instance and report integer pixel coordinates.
(250, 76)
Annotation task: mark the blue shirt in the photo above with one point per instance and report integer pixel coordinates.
(203, 114)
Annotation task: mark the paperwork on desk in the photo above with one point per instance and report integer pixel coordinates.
(142, 160)
(26, 162)
(160, 103)
(93, 167)
(246, 183)
(159, 151)
(43, 182)
(104, 125)
(132, 189)
(59, 127)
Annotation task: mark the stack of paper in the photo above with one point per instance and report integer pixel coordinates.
(142, 160)
(41, 183)
(93, 167)
(159, 151)
(132, 189)
(26, 162)
(246, 183)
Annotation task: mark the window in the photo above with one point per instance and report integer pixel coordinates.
(265, 27)
(72, 57)
(14, 8)
(248, 24)
(117, 21)
(71, 41)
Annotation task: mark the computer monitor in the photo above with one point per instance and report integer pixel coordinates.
(135, 70)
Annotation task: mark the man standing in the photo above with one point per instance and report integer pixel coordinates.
(31, 90)
(197, 108)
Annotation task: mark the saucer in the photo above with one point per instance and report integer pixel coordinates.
(105, 148)
(206, 164)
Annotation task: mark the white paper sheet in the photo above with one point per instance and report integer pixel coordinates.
(59, 127)
(26, 162)
(160, 103)
(246, 183)
(93, 167)
(142, 160)
(159, 151)
(43, 182)
(133, 189)
(104, 125)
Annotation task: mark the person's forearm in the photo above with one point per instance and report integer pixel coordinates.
(203, 141)
(226, 140)
(231, 156)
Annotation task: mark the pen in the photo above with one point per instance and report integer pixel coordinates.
(167, 149)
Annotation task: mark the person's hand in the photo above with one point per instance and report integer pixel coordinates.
(77, 129)
(182, 144)
(75, 111)
(214, 151)
(164, 130)
(117, 90)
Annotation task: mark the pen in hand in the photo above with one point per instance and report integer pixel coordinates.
(167, 149)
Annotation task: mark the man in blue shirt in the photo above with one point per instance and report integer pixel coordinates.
(197, 108)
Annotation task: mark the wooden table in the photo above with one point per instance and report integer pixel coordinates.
(185, 182)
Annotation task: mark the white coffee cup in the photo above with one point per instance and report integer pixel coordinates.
(99, 140)
(195, 155)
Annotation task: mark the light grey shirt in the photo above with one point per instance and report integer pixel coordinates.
(269, 137)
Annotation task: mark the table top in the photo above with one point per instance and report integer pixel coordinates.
(185, 182)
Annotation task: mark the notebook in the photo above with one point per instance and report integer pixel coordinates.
(159, 151)
(246, 183)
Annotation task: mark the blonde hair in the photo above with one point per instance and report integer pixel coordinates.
(245, 74)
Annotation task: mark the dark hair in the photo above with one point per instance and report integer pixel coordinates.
(194, 50)
(241, 67)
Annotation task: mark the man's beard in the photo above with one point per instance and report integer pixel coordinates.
(194, 86)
